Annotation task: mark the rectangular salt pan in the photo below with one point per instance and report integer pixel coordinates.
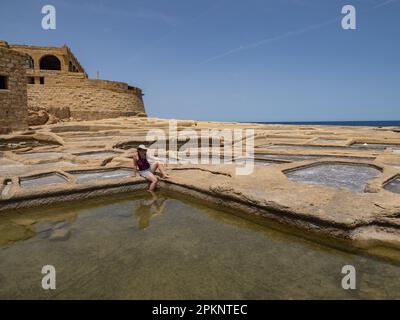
(375, 146)
(99, 154)
(11, 145)
(394, 185)
(308, 157)
(307, 147)
(82, 177)
(353, 177)
(257, 162)
(372, 146)
(43, 180)
(334, 141)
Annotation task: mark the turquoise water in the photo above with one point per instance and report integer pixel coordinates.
(167, 247)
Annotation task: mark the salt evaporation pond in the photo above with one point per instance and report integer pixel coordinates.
(257, 162)
(305, 147)
(136, 143)
(360, 146)
(87, 176)
(42, 180)
(100, 154)
(353, 177)
(8, 145)
(394, 185)
(136, 247)
(296, 157)
(375, 146)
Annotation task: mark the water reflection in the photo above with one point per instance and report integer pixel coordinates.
(101, 252)
(48, 223)
(149, 208)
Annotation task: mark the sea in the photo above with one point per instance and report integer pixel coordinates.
(395, 123)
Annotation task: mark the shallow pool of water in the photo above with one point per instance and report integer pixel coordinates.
(375, 146)
(258, 162)
(140, 247)
(17, 144)
(353, 177)
(394, 185)
(98, 154)
(135, 143)
(42, 180)
(329, 141)
(299, 157)
(287, 157)
(362, 146)
(305, 147)
(83, 177)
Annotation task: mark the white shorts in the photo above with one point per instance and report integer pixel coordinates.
(146, 173)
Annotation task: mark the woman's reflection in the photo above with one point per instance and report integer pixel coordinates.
(148, 208)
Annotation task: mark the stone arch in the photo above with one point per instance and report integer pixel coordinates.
(50, 62)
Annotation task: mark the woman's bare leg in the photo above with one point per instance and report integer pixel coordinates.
(152, 179)
(160, 167)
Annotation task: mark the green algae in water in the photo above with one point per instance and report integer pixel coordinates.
(144, 247)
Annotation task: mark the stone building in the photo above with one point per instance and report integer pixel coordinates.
(13, 89)
(54, 80)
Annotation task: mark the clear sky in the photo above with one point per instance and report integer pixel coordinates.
(253, 60)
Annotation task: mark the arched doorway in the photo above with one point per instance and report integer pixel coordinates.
(50, 62)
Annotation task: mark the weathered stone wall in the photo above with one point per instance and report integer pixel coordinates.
(60, 87)
(73, 94)
(13, 100)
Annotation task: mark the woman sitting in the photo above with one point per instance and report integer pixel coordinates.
(147, 170)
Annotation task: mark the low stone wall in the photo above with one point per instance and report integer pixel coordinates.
(13, 99)
(85, 99)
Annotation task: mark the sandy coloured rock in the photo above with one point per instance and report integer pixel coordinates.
(80, 160)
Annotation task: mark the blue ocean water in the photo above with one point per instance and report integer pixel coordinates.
(395, 123)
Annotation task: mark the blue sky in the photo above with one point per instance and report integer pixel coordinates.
(253, 60)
